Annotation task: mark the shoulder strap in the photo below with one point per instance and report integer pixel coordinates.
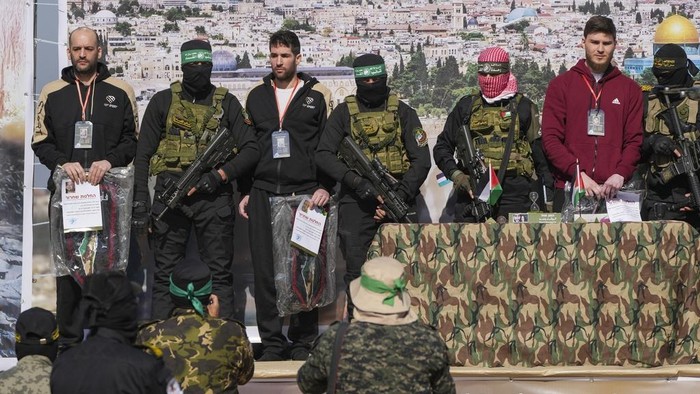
(392, 103)
(176, 89)
(220, 93)
(335, 356)
(353, 108)
(475, 104)
(513, 108)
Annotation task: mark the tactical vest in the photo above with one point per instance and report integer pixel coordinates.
(490, 126)
(378, 133)
(188, 129)
(654, 124)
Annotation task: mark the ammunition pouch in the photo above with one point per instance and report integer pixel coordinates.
(188, 129)
(378, 133)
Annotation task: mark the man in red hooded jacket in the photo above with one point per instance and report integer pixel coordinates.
(593, 113)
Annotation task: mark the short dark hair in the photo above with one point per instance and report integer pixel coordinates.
(600, 24)
(286, 38)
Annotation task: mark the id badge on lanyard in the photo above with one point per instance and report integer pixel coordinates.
(83, 134)
(280, 144)
(596, 116)
(281, 147)
(596, 122)
(83, 128)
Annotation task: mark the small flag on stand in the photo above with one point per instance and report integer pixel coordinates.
(579, 189)
(493, 190)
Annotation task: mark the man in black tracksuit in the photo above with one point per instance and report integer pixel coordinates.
(85, 96)
(291, 109)
(177, 125)
(372, 117)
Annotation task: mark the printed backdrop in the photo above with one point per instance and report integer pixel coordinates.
(16, 65)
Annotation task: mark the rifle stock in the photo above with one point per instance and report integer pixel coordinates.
(379, 177)
(473, 161)
(219, 149)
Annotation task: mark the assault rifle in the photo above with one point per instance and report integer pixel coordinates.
(473, 160)
(378, 175)
(219, 149)
(689, 162)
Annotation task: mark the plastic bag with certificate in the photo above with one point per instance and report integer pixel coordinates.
(304, 279)
(91, 225)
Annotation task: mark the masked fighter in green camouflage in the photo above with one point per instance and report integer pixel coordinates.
(206, 353)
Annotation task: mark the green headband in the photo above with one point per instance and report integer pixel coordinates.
(191, 294)
(376, 70)
(195, 55)
(377, 286)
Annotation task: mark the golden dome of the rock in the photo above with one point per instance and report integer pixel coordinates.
(676, 30)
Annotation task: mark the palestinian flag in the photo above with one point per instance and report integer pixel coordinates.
(493, 190)
(579, 190)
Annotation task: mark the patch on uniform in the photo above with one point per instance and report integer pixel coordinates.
(647, 88)
(421, 137)
(152, 350)
(246, 117)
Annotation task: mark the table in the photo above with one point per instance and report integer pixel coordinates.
(554, 294)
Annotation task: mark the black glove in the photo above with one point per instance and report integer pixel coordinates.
(210, 181)
(365, 190)
(664, 146)
(141, 216)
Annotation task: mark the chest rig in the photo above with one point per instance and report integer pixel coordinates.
(379, 134)
(490, 127)
(656, 124)
(188, 128)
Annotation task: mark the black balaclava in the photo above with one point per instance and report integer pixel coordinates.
(36, 332)
(196, 275)
(371, 66)
(672, 67)
(196, 78)
(109, 301)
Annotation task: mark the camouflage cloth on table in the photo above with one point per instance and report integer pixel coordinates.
(30, 376)
(546, 294)
(206, 354)
(365, 362)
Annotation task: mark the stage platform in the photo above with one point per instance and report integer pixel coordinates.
(280, 378)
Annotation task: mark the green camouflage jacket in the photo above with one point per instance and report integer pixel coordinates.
(30, 376)
(410, 358)
(206, 354)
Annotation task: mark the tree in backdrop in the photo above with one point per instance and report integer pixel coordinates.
(346, 61)
(293, 24)
(532, 79)
(77, 12)
(562, 69)
(123, 28)
(244, 62)
(646, 77)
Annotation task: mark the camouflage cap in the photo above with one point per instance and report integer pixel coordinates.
(380, 294)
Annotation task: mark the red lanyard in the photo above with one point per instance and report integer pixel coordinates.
(291, 96)
(83, 104)
(595, 96)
